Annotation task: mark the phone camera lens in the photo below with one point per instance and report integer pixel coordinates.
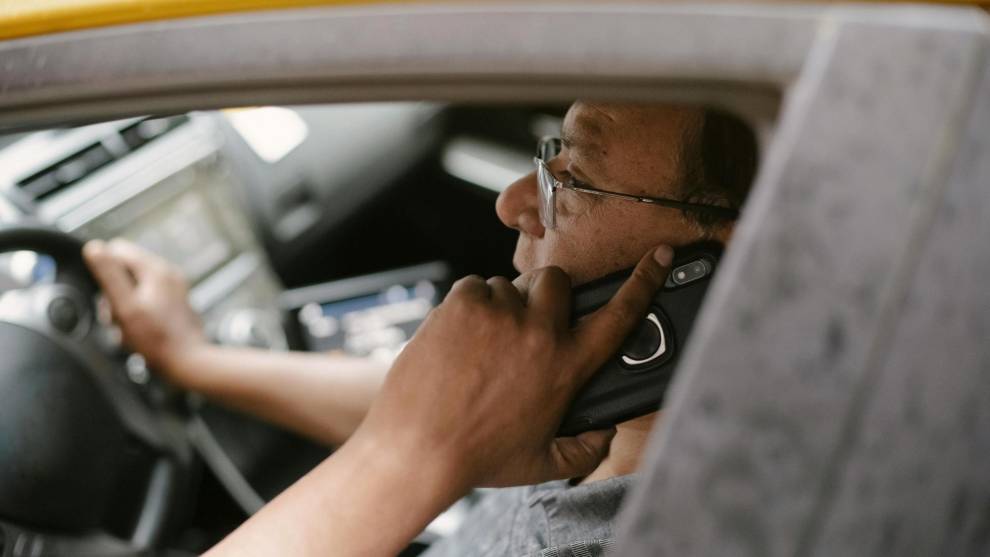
(690, 272)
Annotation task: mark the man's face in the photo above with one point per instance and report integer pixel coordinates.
(632, 149)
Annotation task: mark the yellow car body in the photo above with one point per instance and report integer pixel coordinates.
(20, 18)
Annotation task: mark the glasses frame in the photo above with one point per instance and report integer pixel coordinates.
(548, 184)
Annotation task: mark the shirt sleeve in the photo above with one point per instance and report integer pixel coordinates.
(582, 548)
(491, 528)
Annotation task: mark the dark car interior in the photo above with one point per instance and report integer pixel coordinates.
(330, 227)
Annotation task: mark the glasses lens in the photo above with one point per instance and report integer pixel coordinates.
(546, 191)
(548, 148)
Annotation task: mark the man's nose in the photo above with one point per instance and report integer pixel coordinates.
(518, 206)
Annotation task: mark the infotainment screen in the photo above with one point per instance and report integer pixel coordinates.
(184, 232)
(181, 217)
(372, 315)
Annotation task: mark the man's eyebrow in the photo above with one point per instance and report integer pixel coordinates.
(568, 139)
(581, 142)
(589, 160)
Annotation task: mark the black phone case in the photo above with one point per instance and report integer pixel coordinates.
(620, 391)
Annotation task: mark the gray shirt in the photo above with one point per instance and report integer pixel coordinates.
(554, 519)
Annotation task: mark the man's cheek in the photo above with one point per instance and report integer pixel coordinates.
(532, 253)
(522, 259)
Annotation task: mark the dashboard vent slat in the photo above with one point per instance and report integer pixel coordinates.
(65, 172)
(146, 130)
(80, 163)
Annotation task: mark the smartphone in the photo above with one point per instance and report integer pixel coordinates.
(633, 382)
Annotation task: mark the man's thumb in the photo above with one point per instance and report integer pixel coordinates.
(574, 457)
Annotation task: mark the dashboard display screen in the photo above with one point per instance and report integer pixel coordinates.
(181, 218)
(374, 315)
(185, 234)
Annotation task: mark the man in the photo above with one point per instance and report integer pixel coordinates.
(678, 170)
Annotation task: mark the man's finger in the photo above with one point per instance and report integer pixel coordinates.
(550, 295)
(601, 334)
(503, 292)
(575, 457)
(471, 286)
(114, 279)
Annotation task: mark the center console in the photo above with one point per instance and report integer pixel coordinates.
(162, 183)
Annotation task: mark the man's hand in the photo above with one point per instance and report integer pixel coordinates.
(482, 387)
(148, 298)
(474, 399)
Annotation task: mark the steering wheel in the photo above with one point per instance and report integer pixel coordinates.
(91, 462)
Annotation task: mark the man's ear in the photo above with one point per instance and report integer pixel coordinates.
(695, 231)
(722, 232)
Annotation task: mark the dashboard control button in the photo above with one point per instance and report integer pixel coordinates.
(249, 327)
(137, 370)
(63, 314)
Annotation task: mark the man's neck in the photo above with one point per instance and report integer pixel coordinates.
(626, 449)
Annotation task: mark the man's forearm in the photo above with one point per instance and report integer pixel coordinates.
(322, 396)
(360, 501)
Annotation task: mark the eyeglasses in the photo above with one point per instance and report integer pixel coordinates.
(549, 147)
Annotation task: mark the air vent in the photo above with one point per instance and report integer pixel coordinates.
(81, 163)
(146, 130)
(65, 172)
